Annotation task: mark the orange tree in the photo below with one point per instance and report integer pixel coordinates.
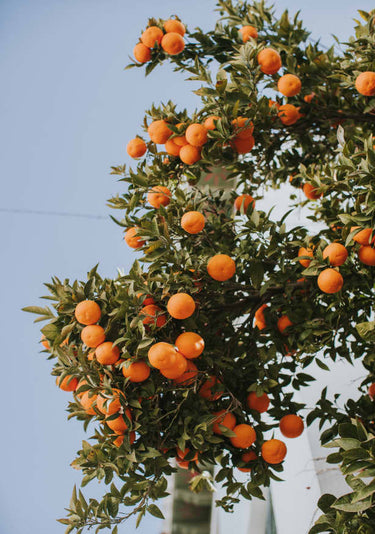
(225, 307)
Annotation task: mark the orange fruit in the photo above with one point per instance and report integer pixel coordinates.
(176, 369)
(159, 132)
(146, 299)
(273, 451)
(93, 335)
(45, 342)
(182, 464)
(245, 436)
(193, 222)
(190, 344)
(153, 315)
(260, 321)
(173, 43)
(82, 382)
(289, 114)
(247, 457)
(137, 372)
(109, 405)
(183, 453)
(209, 123)
(206, 390)
(289, 85)
(273, 103)
(308, 98)
(162, 355)
(221, 267)
(172, 147)
(67, 383)
(259, 404)
(336, 253)
(159, 196)
(87, 400)
(291, 426)
(189, 376)
(87, 312)
(190, 154)
(153, 35)
(366, 254)
(243, 127)
(365, 83)
(175, 26)
(196, 135)
(223, 418)
(245, 201)
(119, 425)
(181, 306)
(269, 61)
(107, 353)
(305, 252)
(120, 439)
(371, 391)
(283, 323)
(180, 140)
(247, 32)
(132, 239)
(243, 146)
(311, 192)
(142, 53)
(363, 237)
(330, 281)
(136, 148)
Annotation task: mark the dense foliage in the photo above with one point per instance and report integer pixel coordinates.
(263, 323)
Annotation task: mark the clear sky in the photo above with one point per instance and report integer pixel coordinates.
(67, 111)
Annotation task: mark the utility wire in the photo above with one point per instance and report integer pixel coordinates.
(22, 211)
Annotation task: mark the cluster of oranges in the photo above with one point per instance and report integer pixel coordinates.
(170, 38)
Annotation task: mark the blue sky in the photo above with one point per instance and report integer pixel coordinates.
(67, 111)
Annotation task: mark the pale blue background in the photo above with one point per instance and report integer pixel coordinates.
(67, 112)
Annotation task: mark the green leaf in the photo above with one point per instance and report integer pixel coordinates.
(155, 511)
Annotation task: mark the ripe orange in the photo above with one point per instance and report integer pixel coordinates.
(305, 252)
(289, 114)
(176, 369)
(209, 123)
(183, 453)
(87, 400)
(243, 127)
(93, 335)
(190, 154)
(132, 239)
(365, 83)
(259, 404)
(330, 281)
(181, 306)
(206, 390)
(336, 253)
(146, 299)
(182, 464)
(162, 355)
(311, 192)
(223, 418)
(107, 404)
(107, 353)
(363, 237)
(68, 383)
(190, 344)
(269, 61)
(366, 254)
(153, 315)
(45, 342)
(247, 457)
(371, 391)
(273, 451)
(142, 53)
(245, 201)
(272, 103)
(120, 439)
(221, 267)
(247, 32)
(136, 148)
(189, 376)
(243, 146)
(196, 135)
(289, 85)
(283, 323)
(172, 147)
(180, 140)
(291, 426)
(173, 25)
(82, 382)
(159, 196)
(119, 425)
(308, 98)
(137, 372)
(260, 321)
(245, 436)
(87, 312)
(173, 43)
(159, 132)
(193, 222)
(153, 35)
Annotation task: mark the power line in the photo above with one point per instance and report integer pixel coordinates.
(22, 211)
